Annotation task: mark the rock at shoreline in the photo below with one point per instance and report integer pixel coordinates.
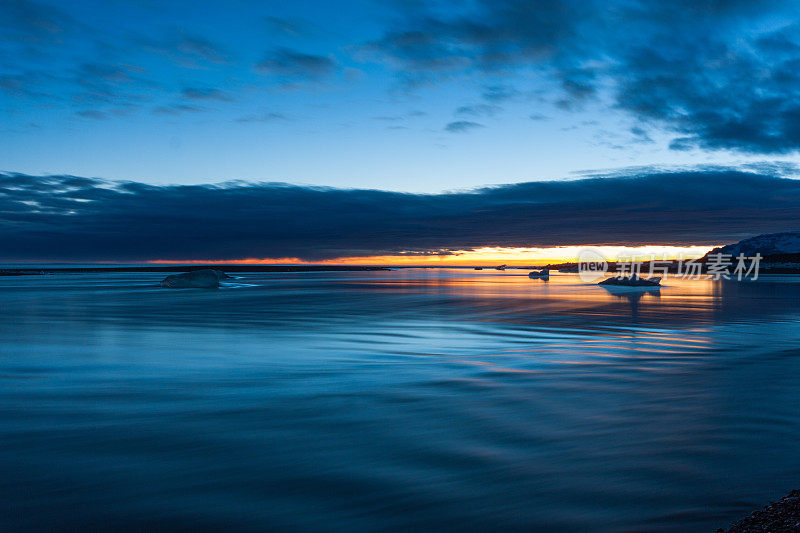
(782, 516)
(196, 279)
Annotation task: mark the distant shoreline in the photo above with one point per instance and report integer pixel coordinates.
(776, 264)
(22, 271)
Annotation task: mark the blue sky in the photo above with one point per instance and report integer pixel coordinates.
(405, 96)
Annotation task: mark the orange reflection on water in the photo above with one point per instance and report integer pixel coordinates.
(565, 316)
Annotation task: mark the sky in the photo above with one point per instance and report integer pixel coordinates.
(397, 128)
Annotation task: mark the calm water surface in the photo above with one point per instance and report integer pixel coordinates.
(414, 399)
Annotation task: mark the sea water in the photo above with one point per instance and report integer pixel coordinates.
(407, 399)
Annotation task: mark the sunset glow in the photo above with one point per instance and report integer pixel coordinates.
(483, 256)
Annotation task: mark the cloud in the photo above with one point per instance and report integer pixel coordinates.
(499, 93)
(104, 78)
(486, 35)
(461, 126)
(32, 22)
(104, 84)
(177, 109)
(718, 75)
(47, 54)
(403, 116)
(26, 85)
(92, 113)
(82, 219)
(641, 135)
(294, 66)
(478, 110)
(266, 116)
(718, 94)
(194, 93)
(187, 49)
(199, 47)
(285, 26)
(712, 75)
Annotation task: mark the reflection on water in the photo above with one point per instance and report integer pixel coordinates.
(407, 399)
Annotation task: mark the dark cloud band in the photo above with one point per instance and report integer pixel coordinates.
(82, 219)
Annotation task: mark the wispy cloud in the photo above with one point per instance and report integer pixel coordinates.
(200, 47)
(34, 22)
(285, 26)
(188, 49)
(478, 110)
(176, 109)
(461, 126)
(195, 93)
(264, 116)
(293, 66)
(92, 113)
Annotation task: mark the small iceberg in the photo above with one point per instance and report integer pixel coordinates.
(196, 279)
(540, 274)
(631, 281)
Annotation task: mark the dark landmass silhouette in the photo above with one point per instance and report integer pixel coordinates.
(785, 244)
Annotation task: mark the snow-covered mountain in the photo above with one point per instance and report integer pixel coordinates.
(768, 244)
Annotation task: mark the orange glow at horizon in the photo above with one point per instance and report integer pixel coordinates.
(481, 257)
